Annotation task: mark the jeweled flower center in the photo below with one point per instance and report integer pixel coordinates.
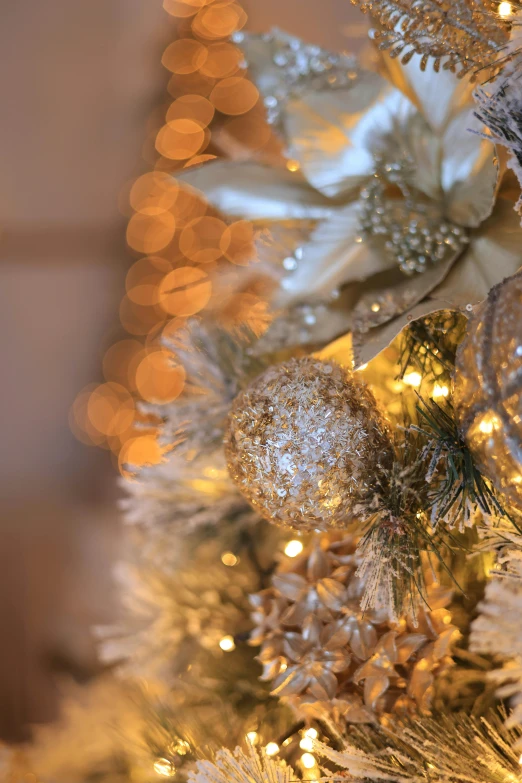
(413, 229)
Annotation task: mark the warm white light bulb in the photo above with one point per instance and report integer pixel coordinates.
(308, 761)
(252, 737)
(311, 733)
(271, 749)
(307, 743)
(440, 391)
(505, 9)
(229, 559)
(227, 644)
(413, 378)
(486, 426)
(293, 548)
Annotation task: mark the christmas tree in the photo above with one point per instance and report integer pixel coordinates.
(324, 574)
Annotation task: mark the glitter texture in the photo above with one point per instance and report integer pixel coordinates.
(459, 35)
(304, 443)
(325, 657)
(488, 388)
(414, 231)
(291, 68)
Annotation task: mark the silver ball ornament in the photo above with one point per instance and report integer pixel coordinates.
(305, 442)
(488, 388)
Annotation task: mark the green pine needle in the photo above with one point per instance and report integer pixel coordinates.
(458, 489)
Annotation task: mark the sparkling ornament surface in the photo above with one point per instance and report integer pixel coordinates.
(414, 231)
(325, 657)
(488, 388)
(305, 442)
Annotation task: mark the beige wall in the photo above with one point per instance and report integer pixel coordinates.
(77, 83)
(333, 24)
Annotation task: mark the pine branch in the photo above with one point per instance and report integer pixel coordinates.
(398, 538)
(446, 748)
(430, 344)
(459, 489)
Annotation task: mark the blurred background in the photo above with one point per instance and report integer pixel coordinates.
(86, 88)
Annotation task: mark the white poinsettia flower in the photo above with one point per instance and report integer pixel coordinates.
(405, 202)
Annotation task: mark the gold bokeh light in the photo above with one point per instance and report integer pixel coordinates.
(178, 240)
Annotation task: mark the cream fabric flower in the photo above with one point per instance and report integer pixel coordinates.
(405, 136)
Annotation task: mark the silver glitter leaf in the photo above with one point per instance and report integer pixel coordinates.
(284, 67)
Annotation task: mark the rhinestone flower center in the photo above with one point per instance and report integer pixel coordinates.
(413, 229)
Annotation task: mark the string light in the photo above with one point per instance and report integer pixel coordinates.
(293, 548)
(293, 165)
(229, 559)
(440, 391)
(312, 733)
(307, 743)
(413, 378)
(207, 76)
(488, 424)
(227, 644)
(308, 761)
(505, 9)
(271, 749)
(252, 737)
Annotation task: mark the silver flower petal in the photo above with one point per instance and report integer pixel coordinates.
(331, 593)
(295, 614)
(291, 586)
(311, 629)
(270, 669)
(495, 252)
(336, 136)
(378, 305)
(323, 685)
(292, 681)
(408, 645)
(374, 687)
(332, 257)
(255, 192)
(438, 96)
(366, 345)
(329, 132)
(317, 566)
(295, 647)
(469, 171)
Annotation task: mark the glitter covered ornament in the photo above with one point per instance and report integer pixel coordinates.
(488, 388)
(326, 658)
(305, 443)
